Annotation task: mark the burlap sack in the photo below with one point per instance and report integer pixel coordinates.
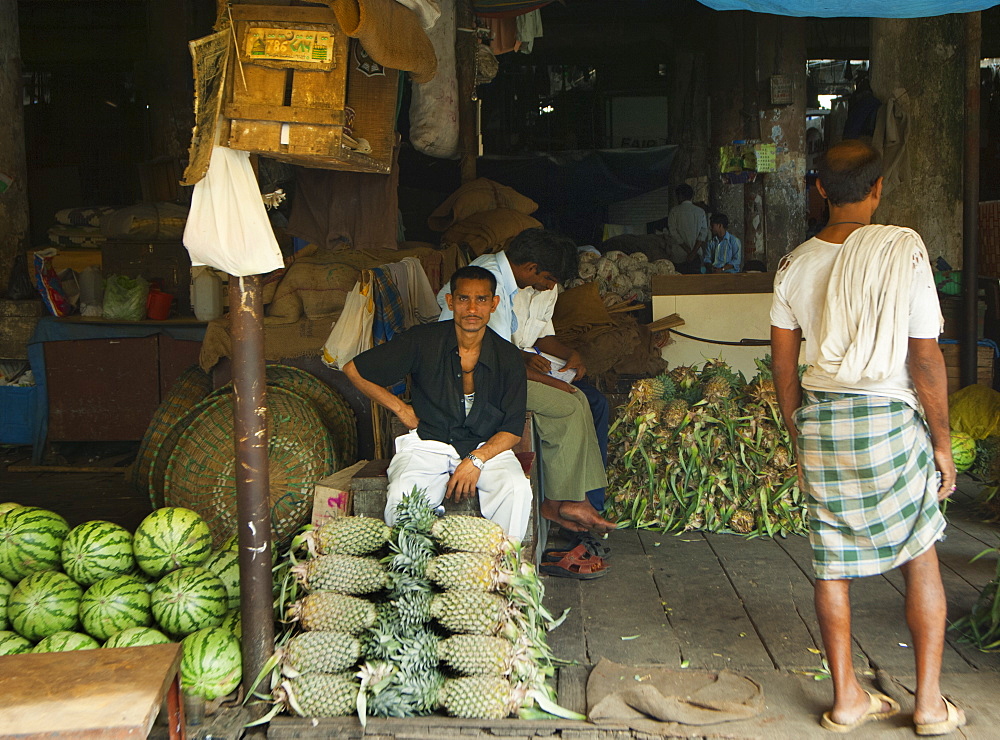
(390, 33)
(489, 231)
(475, 197)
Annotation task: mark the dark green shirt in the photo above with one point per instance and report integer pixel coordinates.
(428, 353)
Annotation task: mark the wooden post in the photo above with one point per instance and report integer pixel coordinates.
(465, 68)
(14, 198)
(252, 480)
(968, 360)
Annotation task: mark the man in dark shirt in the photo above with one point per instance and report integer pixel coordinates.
(469, 390)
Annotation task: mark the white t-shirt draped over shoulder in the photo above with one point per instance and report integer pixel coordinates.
(800, 290)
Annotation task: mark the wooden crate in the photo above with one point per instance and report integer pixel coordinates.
(952, 363)
(296, 109)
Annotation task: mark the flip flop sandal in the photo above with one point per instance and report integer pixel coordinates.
(956, 719)
(596, 546)
(575, 563)
(875, 702)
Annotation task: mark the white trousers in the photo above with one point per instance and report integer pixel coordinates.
(504, 491)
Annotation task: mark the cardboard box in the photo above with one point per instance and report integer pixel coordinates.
(952, 363)
(332, 495)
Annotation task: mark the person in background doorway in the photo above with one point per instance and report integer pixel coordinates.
(725, 251)
(869, 419)
(688, 227)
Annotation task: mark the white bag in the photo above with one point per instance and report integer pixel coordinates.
(352, 334)
(227, 227)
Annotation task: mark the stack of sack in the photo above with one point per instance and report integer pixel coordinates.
(483, 216)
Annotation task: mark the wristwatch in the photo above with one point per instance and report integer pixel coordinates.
(475, 460)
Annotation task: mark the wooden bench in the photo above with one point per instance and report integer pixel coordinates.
(369, 491)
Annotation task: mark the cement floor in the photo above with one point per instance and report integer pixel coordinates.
(709, 602)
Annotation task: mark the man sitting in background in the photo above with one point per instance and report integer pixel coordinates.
(725, 251)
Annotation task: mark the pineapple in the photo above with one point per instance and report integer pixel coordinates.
(414, 514)
(344, 574)
(334, 612)
(413, 551)
(469, 534)
(684, 377)
(350, 535)
(474, 655)
(467, 570)
(393, 693)
(480, 697)
(411, 599)
(320, 652)
(470, 611)
(319, 695)
(674, 414)
(742, 521)
(717, 389)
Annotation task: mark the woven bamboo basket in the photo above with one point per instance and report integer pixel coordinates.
(191, 386)
(201, 472)
(161, 452)
(333, 409)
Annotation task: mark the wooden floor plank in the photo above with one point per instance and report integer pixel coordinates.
(626, 604)
(566, 639)
(777, 596)
(704, 610)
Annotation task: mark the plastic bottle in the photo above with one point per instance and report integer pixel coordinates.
(207, 295)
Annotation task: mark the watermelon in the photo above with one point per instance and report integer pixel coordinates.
(12, 643)
(30, 541)
(171, 538)
(233, 622)
(963, 451)
(211, 665)
(136, 637)
(189, 599)
(7, 506)
(62, 642)
(43, 604)
(95, 550)
(5, 588)
(226, 565)
(114, 604)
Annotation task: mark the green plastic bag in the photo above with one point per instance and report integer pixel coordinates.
(125, 298)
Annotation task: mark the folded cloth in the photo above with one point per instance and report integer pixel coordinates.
(648, 696)
(391, 34)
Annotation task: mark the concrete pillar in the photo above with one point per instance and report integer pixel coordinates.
(924, 58)
(782, 51)
(14, 200)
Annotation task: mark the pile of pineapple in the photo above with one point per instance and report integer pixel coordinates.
(450, 618)
(704, 449)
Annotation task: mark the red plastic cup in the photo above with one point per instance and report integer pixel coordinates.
(158, 305)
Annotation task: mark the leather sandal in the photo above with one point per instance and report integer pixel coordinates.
(596, 546)
(576, 563)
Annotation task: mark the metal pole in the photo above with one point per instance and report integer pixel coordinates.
(252, 483)
(970, 202)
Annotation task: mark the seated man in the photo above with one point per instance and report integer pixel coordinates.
(571, 460)
(468, 392)
(725, 251)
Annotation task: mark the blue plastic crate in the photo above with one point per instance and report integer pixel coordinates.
(17, 414)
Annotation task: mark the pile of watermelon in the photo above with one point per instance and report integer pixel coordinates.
(98, 585)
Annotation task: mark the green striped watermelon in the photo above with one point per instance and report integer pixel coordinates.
(963, 451)
(171, 538)
(233, 622)
(63, 642)
(12, 643)
(189, 599)
(43, 604)
(226, 565)
(95, 550)
(114, 604)
(5, 588)
(136, 637)
(30, 541)
(211, 665)
(7, 506)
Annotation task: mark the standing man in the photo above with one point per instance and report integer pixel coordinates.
(873, 467)
(688, 227)
(725, 251)
(468, 392)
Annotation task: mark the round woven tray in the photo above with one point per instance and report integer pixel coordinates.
(160, 452)
(191, 386)
(200, 474)
(333, 409)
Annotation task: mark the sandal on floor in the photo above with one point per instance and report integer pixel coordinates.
(875, 701)
(576, 563)
(596, 546)
(956, 719)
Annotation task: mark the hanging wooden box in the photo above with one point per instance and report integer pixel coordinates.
(286, 99)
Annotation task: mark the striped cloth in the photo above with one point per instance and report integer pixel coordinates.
(389, 315)
(870, 481)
